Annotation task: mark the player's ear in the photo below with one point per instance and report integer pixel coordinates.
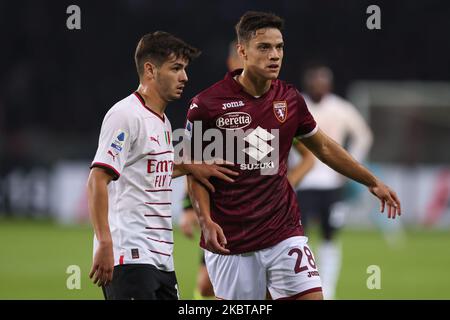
(149, 70)
(241, 50)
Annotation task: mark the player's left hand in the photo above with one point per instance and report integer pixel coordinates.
(387, 196)
(202, 172)
(215, 240)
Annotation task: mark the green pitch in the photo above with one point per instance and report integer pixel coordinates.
(34, 257)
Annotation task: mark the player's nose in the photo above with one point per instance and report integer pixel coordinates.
(274, 54)
(183, 76)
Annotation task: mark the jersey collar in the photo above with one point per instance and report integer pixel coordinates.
(137, 94)
(235, 86)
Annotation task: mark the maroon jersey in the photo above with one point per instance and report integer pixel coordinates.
(257, 210)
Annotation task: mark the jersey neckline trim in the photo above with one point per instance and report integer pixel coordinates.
(142, 101)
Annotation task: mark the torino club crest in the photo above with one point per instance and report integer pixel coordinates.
(280, 110)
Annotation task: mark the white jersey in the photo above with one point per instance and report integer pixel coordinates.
(136, 145)
(338, 119)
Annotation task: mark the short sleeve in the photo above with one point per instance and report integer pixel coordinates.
(307, 126)
(197, 115)
(197, 122)
(114, 144)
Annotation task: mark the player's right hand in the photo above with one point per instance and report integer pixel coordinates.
(103, 265)
(202, 172)
(387, 197)
(214, 237)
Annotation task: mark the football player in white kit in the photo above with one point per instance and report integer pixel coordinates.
(321, 188)
(129, 186)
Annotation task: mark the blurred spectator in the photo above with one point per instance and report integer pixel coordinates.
(320, 190)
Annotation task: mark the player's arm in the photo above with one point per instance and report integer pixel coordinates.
(188, 219)
(178, 171)
(198, 115)
(333, 155)
(202, 172)
(296, 174)
(212, 233)
(97, 192)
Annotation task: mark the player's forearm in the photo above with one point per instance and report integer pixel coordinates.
(341, 161)
(333, 155)
(200, 200)
(179, 170)
(298, 173)
(98, 209)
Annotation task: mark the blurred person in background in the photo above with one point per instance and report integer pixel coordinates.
(321, 189)
(234, 61)
(129, 186)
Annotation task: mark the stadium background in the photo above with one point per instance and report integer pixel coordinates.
(56, 85)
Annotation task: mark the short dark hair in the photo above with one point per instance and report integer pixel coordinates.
(158, 46)
(254, 20)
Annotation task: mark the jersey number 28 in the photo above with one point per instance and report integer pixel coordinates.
(298, 268)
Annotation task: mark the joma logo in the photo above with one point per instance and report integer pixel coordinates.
(234, 104)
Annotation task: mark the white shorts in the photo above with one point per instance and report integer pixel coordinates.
(287, 270)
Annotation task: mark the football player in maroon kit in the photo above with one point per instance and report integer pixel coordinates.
(251, 229)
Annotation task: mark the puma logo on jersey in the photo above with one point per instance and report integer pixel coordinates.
(112, 155)
(234, 104)
(155, 140)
